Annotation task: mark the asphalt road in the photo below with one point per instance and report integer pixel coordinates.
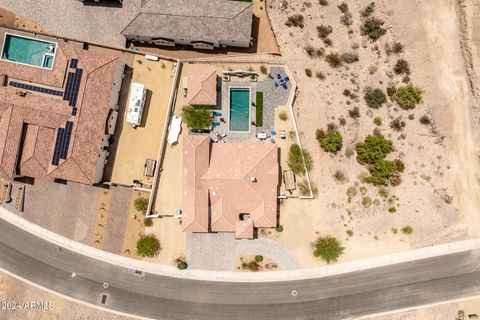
(342, 296)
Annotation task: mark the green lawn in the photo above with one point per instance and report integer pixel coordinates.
(259, 113)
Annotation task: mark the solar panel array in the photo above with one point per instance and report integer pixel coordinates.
(35, 88)
(72, 87)
(62, 143)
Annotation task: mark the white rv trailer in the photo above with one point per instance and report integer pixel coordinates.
(136, 104)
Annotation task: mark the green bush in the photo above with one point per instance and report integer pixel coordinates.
(334, 60)
(381, 171)
(373, 149)
(377, 121)
(402, 67)
(349, 57)
(408, 96)
(148, 222)
(196, 118)
(350, 232)
(283, 116)
(375, 98)
(407, 230)
(263, 69)
(141, 204)
(328, 248)
(372, 27)
(259, 109)
(148, 246)
(258, 258)
(279, 228)
(331, 141)
(295, 160)
(295, 20)
(182, 265)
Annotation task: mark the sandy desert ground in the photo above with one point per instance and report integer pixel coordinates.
(439, 193)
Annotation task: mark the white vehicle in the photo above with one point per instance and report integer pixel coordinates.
(136, 104)
(151, 57)
(175, 128)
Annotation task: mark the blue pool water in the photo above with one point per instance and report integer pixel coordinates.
(28, 51)
(239, 109)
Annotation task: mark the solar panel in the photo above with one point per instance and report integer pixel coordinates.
(62, 143)
(68, 86)
(74, 111)
(73, 63)
(35, 88)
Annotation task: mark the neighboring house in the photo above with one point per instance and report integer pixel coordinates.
(229, 187)
(196, 23)
(56, 114)
(202, 88)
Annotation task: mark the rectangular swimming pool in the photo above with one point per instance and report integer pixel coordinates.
(239, 109)
(28, 51)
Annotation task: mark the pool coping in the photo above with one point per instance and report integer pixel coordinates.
(31, 38)
(249, 108)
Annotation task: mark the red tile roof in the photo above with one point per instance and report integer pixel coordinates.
(29, 124)
(220, 176)
(202, 88)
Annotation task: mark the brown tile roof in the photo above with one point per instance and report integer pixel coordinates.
(202, 88)
(29, 124)
(220, 176)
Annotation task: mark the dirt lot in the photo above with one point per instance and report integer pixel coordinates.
(439, 193)
(133, 146)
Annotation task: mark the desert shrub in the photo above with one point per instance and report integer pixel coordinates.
(343, 7)
(408, 96)
(339, 176)
(295, 160)
(263, 69)
(334, 60)
(366, 202)
(381, 172)
(330, 141)
(182, 265)
(346, 93)
(373, 149)
(141, 204)
(253, 266)
(279, 228)
(377, 121)
(295, 20)
(372, 27)
(400, 165)
(327, 42)
(349, 57)
(407, 230)
(382, 192)
(425, 120)
(196, 118)
(139, 61)
(320, 75)
(346, 19)
(395, 180)
(368, 10)
(258, 258)
(148, 222)
(397, 124)
(354, 113)
(148, 245)
(374, 98)
(323, 2)
(323, 31)
(392, 210)
(342, 121)
(314, 53)
(391, 90)
(328, 248)
(304, 189)
(349, 232)
(308, 72)
(397, 47)
(402, 67)
(283, 116)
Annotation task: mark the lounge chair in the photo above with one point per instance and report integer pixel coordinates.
(276, 84)
(223, 135)
(284, 86)
(217, 114)
(273, 132)
(279, 76)
(215, 123)
(286, 79)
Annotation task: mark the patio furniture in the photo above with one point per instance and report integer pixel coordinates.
(273, 132)
(175, 128)
(222, 141)
(262, 136)
(283, 134)
(276, 84)
(214, 140)
(223, 135)
(279, 76)
(215, 123)
(217, 134)
(284, 86)
(286, 79)
(216, 114)
(222, 120)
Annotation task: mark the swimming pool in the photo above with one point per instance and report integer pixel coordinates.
(28, 51)
(239, 109)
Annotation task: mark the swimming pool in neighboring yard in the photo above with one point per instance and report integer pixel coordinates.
(239, 109)
(29, 51)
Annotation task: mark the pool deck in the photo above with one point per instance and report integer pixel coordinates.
(272, 98)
